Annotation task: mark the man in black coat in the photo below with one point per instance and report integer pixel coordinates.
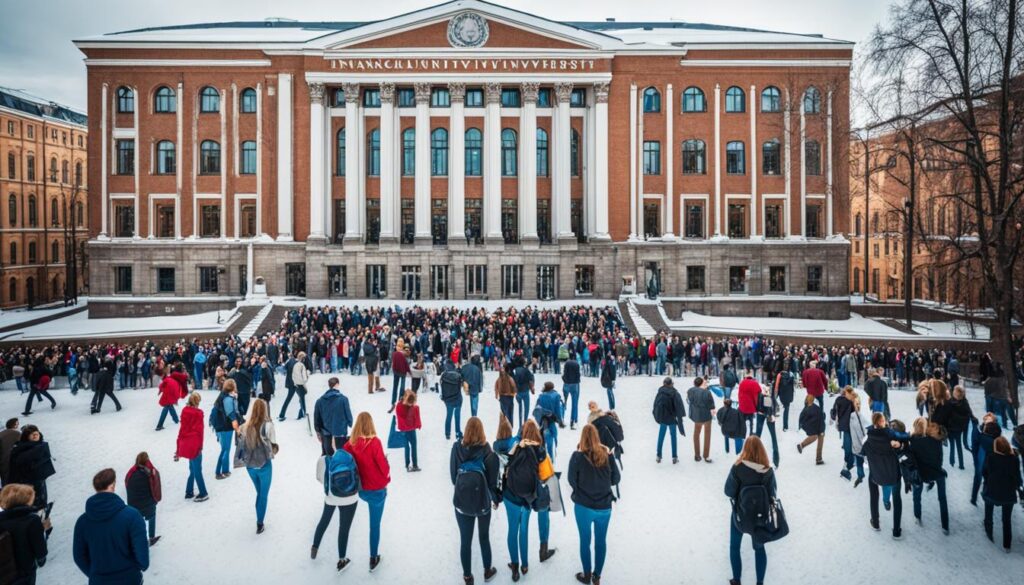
(104, 387)
(668, 413)
(884, 471)
(243, 383)
(571, 386)
(267, 380)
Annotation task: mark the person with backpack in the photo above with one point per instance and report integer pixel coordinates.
(751, 488)
(592, 473)
(332, 417)
(728, 380)
(767, 407)
(983, 438)
(609, 428)
(925, 447)
(959, 423)
(733, 428)
(225, 420)
(702, 407)
(549, 414)
(474, 472)
(846, 413)
(524, 387)
(881, 450)
(24, 530)
(170, 392)
(142, 486)
(452, 387)
(407, 416)
(374, 477)
(784, 382)
(1002, 487)
(571, 385)
(668, 413)
(608, 375)
(339, 478)
(505, 392)
(258, 443)
(31, 463)
(812, 422)
(110, 544)
(190, 446)
(520, 487)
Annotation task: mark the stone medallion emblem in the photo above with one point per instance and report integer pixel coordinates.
(468, 29)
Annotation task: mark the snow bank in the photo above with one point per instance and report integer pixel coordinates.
(856, 327)
(80, 326)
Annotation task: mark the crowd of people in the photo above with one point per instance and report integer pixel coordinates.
(447, 351)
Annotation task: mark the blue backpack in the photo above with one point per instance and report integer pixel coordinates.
(341, 477)
(472, 495)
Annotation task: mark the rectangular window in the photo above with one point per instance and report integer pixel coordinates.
(31, 131)
(125, 157)
(652, 157)
(376, 281)
(875, 246)
(735, 159)
(511, 281)
(695, 279)
(439, 281)
(777, 279)
(874, 281)
(812, 155)
(474, 98)
(510, 98)
(124, 221)
(248, 158)
(738, 279)
(578, 98)
(123, 280)
(694, 221)
(814, 279)
(209, 221)
(165, 280)
(773, 221)
(440, 98)
(476, 280)
(584, 282)
(737, 221)
(10, 127)
(371, 98)
(337, 281)
(247, 220)
(406, 97)
(547, 283)
(165, 221)
(544, 97)
(208, 279)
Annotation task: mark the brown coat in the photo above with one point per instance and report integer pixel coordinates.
(505, 386)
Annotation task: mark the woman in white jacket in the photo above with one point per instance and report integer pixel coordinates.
(300, 375)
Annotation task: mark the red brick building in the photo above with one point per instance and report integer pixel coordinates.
(468, 150)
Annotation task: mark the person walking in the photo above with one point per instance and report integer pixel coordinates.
(258, 443)
(39, 386)
(959, 423)
(473, 375)
(332, 417)
(31, 463)
(268, 381)
(877, 390)
(728, 380)
(8, 438)
(374, 477)
(815, 381)
(925, 447)
(524, 387)
(519, 491)
(812, 422)
(608, 375)
(243, 385)
(371, 359)
(473, 467)
(609, 428)
(748, 396)
(452, 387)
(339, 477)
(668, 413)
(702, 407)
(571, 386)
(190, 446)
(142, 486)
(733, 427)
(407, 415)
(846, 413)
(983, 440)
(110, 544)
(505, 392)
(592, 474)
(399, 370)
(1002, 487)
(170, 393)
(549, 415)
(881, 449)
(225, 420)
(103, 387)
(26, 531)
(751, 470)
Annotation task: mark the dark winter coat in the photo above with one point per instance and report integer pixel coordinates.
(942, 414)
(332, 415)
(571, 372)
(30, 463)
(842, 408)
(674, 415)
(610, 430)
(27, 539)
(812, 420)
(243, 381)
(927, 453)
(460, 454)
(1002, 479)
(451, 387)
(731, 421)
(876, 389)
(142, 486)
(961, 416)
(110, 544)
(701, 404)
(474, 377)
(592, 486)
(882, 459)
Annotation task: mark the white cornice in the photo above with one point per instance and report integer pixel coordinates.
(765, 62)
(177, 62)
(438, 77)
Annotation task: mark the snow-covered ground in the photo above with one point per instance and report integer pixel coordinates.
(79, 326)
(489, 304)
(15, 316)
(671, 525)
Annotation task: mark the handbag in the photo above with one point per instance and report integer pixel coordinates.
(396, 438)
(776, 528)
(554, 489)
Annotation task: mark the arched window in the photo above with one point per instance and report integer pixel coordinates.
(812, 101)
(771, 99)
(439, 152)
(30, 167)
(339, 161)
(652, 100)
(474, 149)
(33, 217)
(209, 100)
(874, 222)
(771, 163)
(125, 100)
(54, 253)
(856, 225)
(574, 153)
(248, 101)
(54, 213)
(12, 210)
(409, 152)
(80, 214)
(166, 158)
(31, 253)
(14, 252)
(735, 101)
(78, 174)
(209, 157)
(693, 100)
(65, 172)
(248, 158)
(735, 158)
(12, 165)
(164, 101)
(373, 154)
(694, 157)
(542, 152)
(12, 290)
(53, 169)
(812, 157)
(509, 160)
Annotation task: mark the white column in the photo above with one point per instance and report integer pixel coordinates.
(422, 211)
(669, 212)
(632, 163)
(234, 131)
(753, 162)
(787, 143)
(388, 168)
(259, 164)
(639, 210)
(718, 161)
(249, 268)
(601, 158)
(457, 163)
(223, 167)
(589, 169)
(353, 154)
(179, 148)
(284, 157)
(803, 171)
(561, 181)
(528, 163)
(492, 162)
(138, 147)
(316, 161)
(828, 175)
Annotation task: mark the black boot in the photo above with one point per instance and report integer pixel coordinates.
(583, 578)
(489, 574)
(515, 571)
(545, 552)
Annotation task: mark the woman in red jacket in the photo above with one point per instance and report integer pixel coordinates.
(169, 392)
(374, 475)
(407, 414)
(399, 370)
(190, 446)
(749, 393)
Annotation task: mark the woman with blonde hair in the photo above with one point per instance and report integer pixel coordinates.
(926, 447)
(190, 446)
(258, 443)
(941, 409)
(474, 472)
(592, 473)
(225, 420)
(846, 414)
(26, 529)
(374, 476)
(752, 468)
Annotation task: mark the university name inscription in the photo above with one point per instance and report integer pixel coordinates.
(463, 65)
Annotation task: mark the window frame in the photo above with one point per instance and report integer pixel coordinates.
(409, 152)
(209, 158)
(248, 155)
(652, 158)
(651, 98)
(732, 106)
(247, 101)
(697, 155)
(735, 158)
(166, 162)
(473, 149)
(543, 153)
(439, 152)
(773, 98)
(125, 100)
(209, 100)
(123, 276)
(509, 153)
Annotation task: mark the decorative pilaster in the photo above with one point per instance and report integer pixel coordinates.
(388, 166)
(316, 161)
(601, 148)
(561, 180)
(456, 163)
(492, 163)
(354, 140)
(422, 185)
(528, 163)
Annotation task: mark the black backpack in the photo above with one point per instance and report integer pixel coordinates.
(752, 508)
(663, 408)
(218, 418)
(472, 495)
(521, 477)
(606, 376)
(910, 471)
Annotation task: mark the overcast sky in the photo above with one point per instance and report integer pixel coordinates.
(36, 53)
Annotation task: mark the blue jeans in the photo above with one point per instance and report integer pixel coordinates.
(943, 508)
(73, 380)
(956, 448)
(611, 397)
(375, 500)
(169, 409)
(737, 443)
(451, 409)
(572, 391)
(474, 404)
(585, 517)
(850, 458)
(518, 533)
(760, 557)
(523, 401)
(661, 366)
(224, 460)
(20, 381)
(544, 524)
(771, 430)
(261, 481)
(410, 448)
(507, 408)
(1001, 409)
(197, 373)
(397, 388)
(551, 439)
(726, 392)
(672, 430)
(195, 476)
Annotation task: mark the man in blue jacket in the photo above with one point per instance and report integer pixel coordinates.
(571, 386)
(111, 546)
(473, 376)
(332, 418)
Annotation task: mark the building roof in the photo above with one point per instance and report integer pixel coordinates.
(18, 100)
